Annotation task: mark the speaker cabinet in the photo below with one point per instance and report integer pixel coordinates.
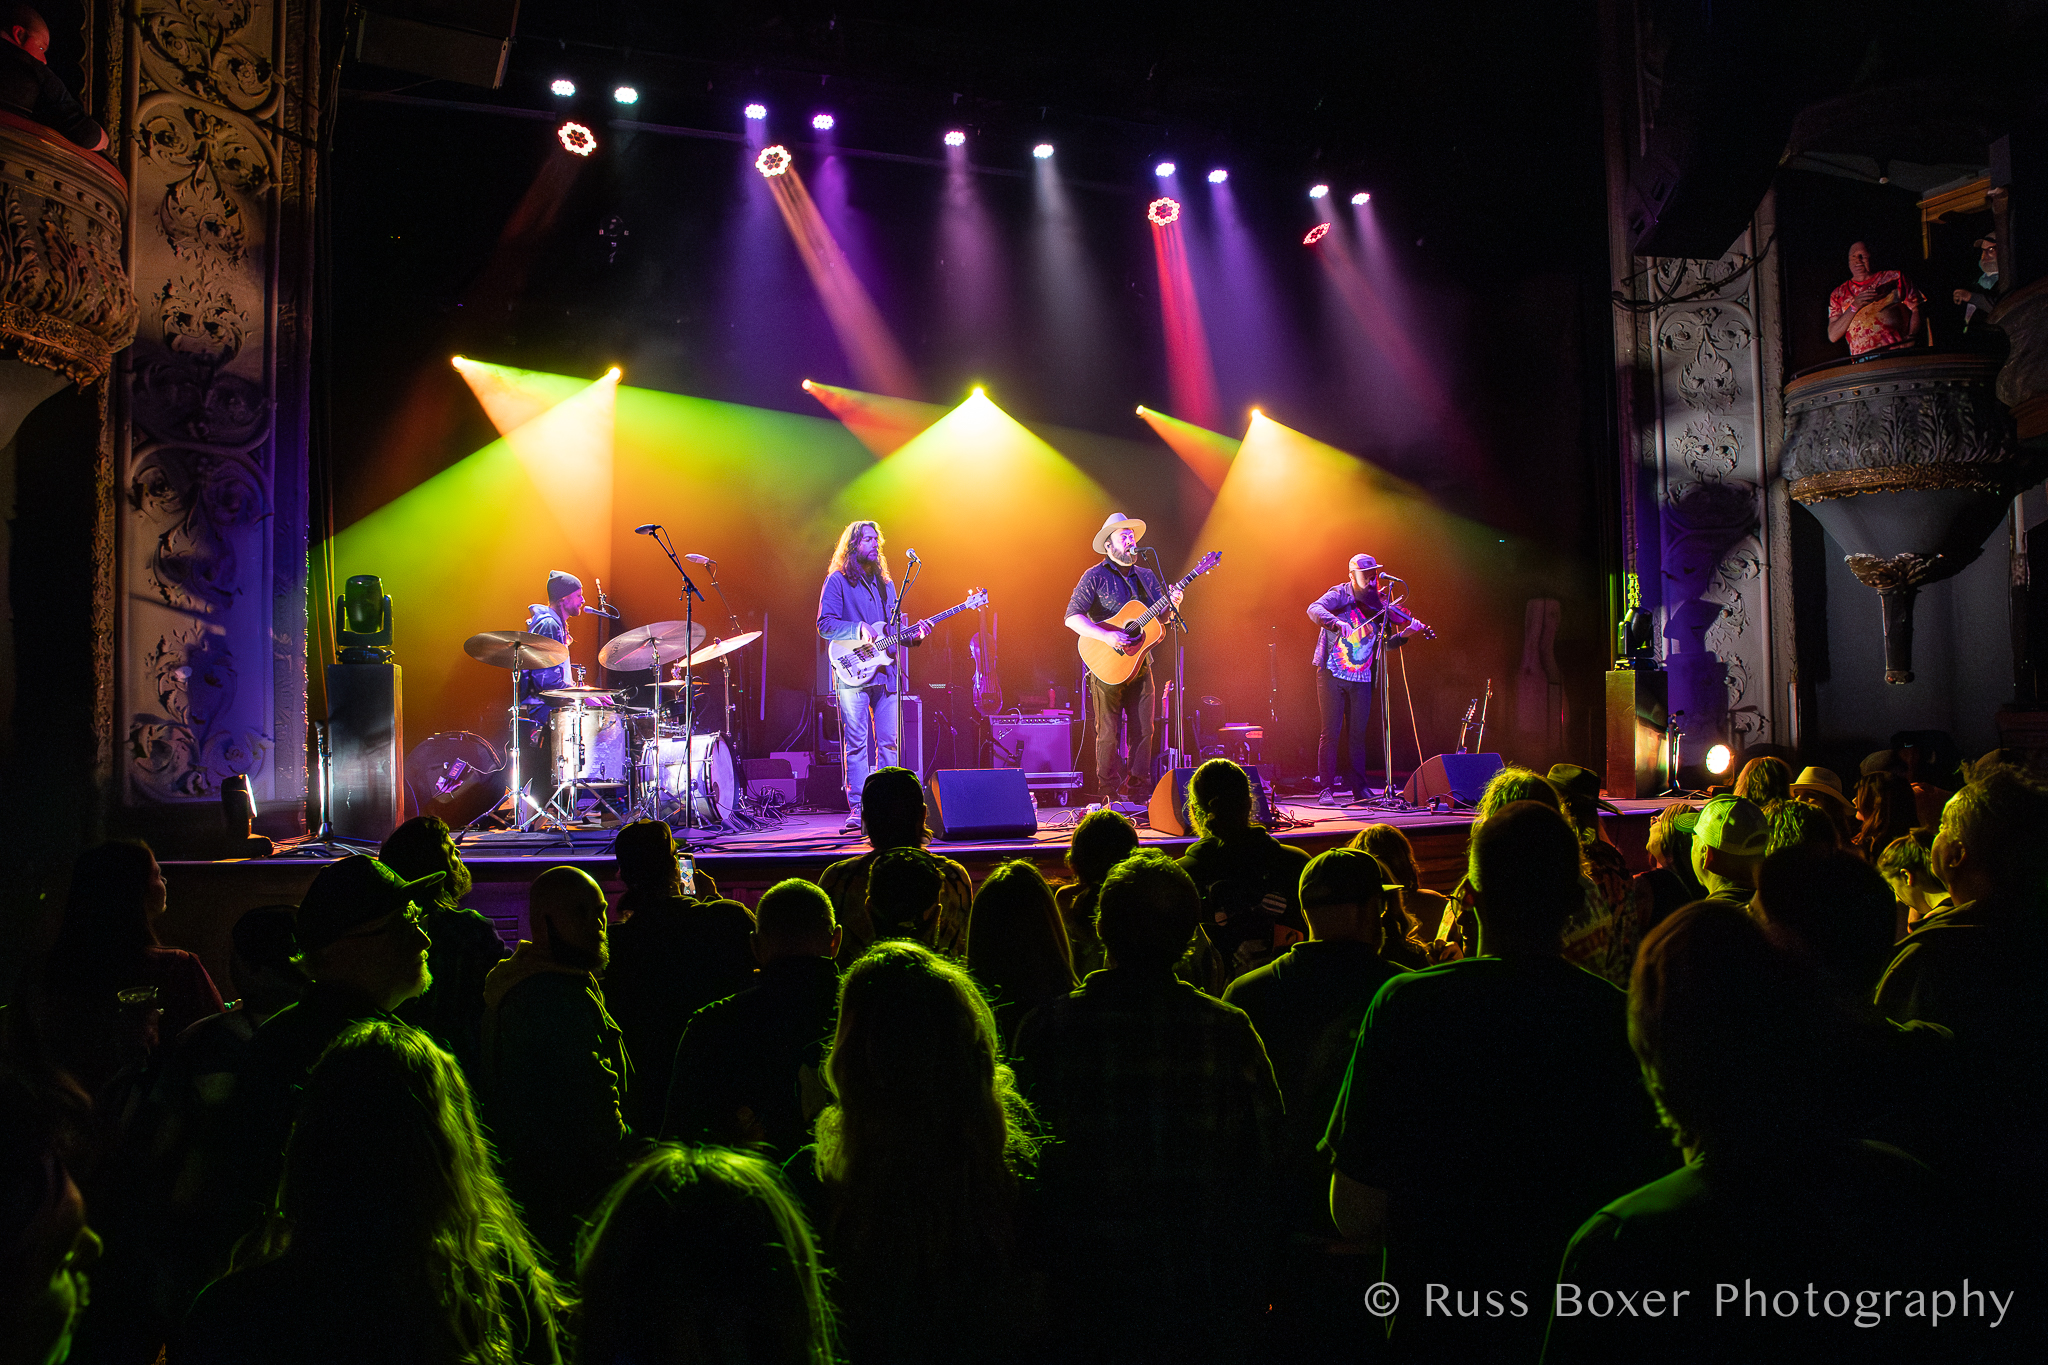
(1462, 777)
(1168, 811)
(982, 803)
(366, 737)
(1035, 744)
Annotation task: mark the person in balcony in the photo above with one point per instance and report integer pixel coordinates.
(27, 85)
(1874, 308)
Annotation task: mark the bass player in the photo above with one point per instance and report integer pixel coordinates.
(859, 592)
(1102, 592)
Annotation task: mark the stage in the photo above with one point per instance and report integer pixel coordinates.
(207, 897)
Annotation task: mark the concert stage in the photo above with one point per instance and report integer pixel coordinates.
(207, 897)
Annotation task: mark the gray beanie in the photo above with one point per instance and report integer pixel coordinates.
(561, 584)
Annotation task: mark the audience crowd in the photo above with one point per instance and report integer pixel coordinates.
(1781, 1095)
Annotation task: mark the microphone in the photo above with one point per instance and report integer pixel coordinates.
(1392, 577)
(911, 555)
(649, 529)
(706, 560)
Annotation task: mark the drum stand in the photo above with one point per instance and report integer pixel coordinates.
(521, 820)
(563, 811)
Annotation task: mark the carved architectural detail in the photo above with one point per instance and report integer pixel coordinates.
(213, 473)
(1906, 422)
(65, 301)
(1900, 571)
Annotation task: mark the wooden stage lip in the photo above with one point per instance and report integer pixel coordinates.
(206, 898)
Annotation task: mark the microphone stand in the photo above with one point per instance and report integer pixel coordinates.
(1387, 800)
(895, 624)
(661, 538)
(1176, 711)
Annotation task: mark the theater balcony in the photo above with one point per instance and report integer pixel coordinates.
(65, 303)
(1909, 460)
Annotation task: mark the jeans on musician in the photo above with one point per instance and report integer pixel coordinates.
(1337, 703)
(864, 711)
(1121, 707)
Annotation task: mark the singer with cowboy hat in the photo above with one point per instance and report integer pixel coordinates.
(1102, 592)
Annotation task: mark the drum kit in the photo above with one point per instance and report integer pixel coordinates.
(607, 761)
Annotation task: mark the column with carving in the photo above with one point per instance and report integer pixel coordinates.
(1703, 335)
(217, 123)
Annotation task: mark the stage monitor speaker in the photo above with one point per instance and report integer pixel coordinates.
(825, 787)
(1035, 744)
(366, 737)
(1462, 777)
(983, 803)
(1168, 811)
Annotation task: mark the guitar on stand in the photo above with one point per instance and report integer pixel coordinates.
(857, 660)
(1468, 741)
(1116, 664)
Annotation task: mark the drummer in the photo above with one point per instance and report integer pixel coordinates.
(549, 618)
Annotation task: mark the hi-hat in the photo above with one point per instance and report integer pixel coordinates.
(521, 649)
(718, 649)
(576, 693)
(637, 648)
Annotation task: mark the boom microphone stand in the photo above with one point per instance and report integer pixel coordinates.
(1176, 715)
(660, 536)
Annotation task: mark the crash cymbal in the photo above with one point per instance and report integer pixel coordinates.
(520, 649)
(577, 693)
(636, 648)
(718, 649)
(676, 684)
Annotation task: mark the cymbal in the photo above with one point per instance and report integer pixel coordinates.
(576, 693)
(718, 649)
(636, 648)
(521, 649)
(675, 684)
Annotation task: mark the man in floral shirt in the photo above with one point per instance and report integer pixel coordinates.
(1873, 308)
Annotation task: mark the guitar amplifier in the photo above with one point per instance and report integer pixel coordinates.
(1043, 743)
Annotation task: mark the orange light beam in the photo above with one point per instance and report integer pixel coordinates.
(878, 362)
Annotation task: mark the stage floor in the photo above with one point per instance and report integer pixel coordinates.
(206, 898)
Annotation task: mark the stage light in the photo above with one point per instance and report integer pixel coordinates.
(1315, 234)
(1361, 198)
(613, 373)
(822, 122)
(458, 361)
(773, 161)
(563, 86)
(1163, 169)
(977, 391)
(1318, 191)
(576, 138)
(807, 386)
(1218, 176)
(756, 111)
(1043, 151)
(1162, 211)
(956, 138)
(1719, 760)
(626, 94)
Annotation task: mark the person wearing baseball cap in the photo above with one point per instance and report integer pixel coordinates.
(1729, 838)
(1102, 592)
(1350, 616)
(362, 938)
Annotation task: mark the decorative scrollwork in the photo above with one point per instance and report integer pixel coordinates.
(1711, 449)
(195, 500)
(189, 744)
(208, 49)
(199, 212)
(1897, 573)
(65, 303)
(1704, 338)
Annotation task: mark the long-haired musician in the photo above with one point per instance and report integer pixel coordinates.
(859, 593)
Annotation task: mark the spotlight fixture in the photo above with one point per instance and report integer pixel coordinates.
(822, 122)
(977, 391)
(1162, 211)
(576, 138)
(1218, 176)
(773, 161)
(807, 386)
(1361, 198)
(1719, 760)
(1318, 191)
(626, 94)
(1163, 169)
(563, 86)
(756, 111)
(1315, 234)
(1043, 151)
(956, 138)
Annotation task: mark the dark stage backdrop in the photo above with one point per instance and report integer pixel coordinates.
(1444, 413)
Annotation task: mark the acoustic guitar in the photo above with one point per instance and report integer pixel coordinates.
(1114, 664)
(859, 659)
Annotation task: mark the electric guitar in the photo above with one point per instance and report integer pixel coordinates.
(1114, 664)
(859, 659)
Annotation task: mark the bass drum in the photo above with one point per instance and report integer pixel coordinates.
(699, 770)
(587, 744)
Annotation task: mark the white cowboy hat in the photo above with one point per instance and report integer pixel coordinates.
(1116, 521)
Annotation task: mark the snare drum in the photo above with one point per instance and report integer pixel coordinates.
(587, 744)
(699, 770)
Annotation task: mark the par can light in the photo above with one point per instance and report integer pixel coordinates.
(773, 161)
(1162, 211)
(576, 138)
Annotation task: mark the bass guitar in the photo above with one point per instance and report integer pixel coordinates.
(859, 659)
(1114, 664)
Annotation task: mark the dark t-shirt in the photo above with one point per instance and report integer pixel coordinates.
(1105, 588)
(749, 1052)
(1235, 874)
(465, 948)
(31, 89)
(1495, 1100)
